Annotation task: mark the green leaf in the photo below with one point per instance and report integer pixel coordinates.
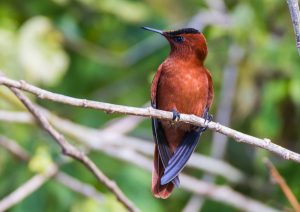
(40, 51)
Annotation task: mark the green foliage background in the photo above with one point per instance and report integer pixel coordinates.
(84, 49)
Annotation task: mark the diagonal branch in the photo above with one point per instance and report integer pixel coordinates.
(27, 188)
(150, 112)
(13, 148)
(71, 151)
(283, 185)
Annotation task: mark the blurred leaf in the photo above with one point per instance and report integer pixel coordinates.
(267, 122)
(131, 11)
(41, 54)
(61, 2)
(41, 161)
(8, 55)
(90, 205)
(246, 92)
(242, 17)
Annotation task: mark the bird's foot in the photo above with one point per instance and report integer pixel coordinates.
(207, 118)
(176, 117)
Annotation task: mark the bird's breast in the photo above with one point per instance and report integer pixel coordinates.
(183, 89)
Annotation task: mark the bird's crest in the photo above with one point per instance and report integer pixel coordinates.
(182, 31)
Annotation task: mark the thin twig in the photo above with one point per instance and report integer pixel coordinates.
(12, 147)
(13, 116)
(38, 180)
(76, 185)
(283, 185)
(26, 189)
(295, 15)
(150, 112)
(71, 151)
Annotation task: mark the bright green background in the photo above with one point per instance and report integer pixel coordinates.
(84, 49)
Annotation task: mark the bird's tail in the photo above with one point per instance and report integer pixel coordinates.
(158, 190)
(181, 155)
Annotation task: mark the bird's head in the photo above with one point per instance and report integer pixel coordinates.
(185, 42)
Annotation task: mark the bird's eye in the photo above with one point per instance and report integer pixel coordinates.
(179, 39)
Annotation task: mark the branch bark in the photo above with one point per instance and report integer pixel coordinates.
(13, 148)
(71, 151)
(295, 15)
(12, 116)
(150, 112)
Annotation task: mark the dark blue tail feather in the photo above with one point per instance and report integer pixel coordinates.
(181, 156)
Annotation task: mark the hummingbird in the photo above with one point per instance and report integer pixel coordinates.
(182, 84)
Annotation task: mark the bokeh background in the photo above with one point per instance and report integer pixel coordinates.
(95, 49)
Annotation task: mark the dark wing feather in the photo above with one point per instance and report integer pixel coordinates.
(163, 148)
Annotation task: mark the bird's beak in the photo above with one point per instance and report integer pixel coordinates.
(153, 30)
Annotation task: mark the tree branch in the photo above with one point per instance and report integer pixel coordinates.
(12, 116)
(81, 188)
(13, 148)
(150, 112)
(71, 151)
(281, 182)
(26, 189)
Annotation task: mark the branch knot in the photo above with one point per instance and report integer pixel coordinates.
(22, 83)
(84, 103)
(267, 141)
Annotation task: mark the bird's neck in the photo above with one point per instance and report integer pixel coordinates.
(175, 64)
(185, 58)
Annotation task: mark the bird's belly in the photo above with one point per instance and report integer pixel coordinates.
(184, 93)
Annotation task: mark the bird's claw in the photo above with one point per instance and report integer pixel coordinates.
(176, 115)
(207, 118)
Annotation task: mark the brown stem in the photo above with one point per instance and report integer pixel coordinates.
(284, 187)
